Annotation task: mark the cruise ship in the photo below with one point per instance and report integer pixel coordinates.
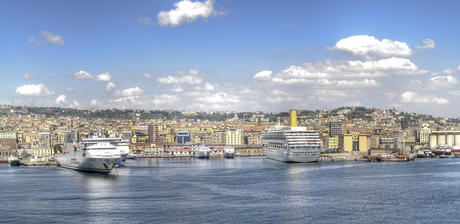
(291, 143)
(96, 158)
(229, 152)
(202, 152)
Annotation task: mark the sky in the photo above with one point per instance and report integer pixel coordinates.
(234, 55)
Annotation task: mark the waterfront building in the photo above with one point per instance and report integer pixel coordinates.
(333, 142)
(153, 133)
(9, 139)
(44, 139)
(425, 132)
(233, 137)
(353, 142)
(183, 137)
(337, 128)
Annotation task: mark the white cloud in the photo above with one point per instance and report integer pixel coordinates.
(207, 87)
(414, 97)
(429, 44)
(145, 21)
(312, 73)
(28, 76)
(263, 75)
(135, 91)
(104, 77)
(449, 71)
(435, 83)
(33, 90)
(354, 104)
(110, 86)
(189, 77)
(322, 96)
(62, 101)
(358, 84)
(454, 93)
(187, 11)
(69, 89)
(83, 75)
(370, 47)
(52, 38)
(278, 96)
(155, 102)
(458, 68)
(219, 98)
(176, 89)
(95, 102)
(166, 99)
(147, 76)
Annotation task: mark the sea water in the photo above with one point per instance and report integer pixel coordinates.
(239, 190)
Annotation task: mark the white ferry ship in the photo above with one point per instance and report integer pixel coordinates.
(202, 152)
(122, 145)
(97, 158)
(291, 143)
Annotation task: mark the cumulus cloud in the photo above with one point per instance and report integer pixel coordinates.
(414, 97)
(33, 90)
(278, 96)
(449, 71)
(145, 21)
(147, 76)
(454, 93)
(156, 101)
(435, 83)
(429, 44)
(189, 77)
(369, 47)
(350, 69)
(358, 84)
(207, 87)
(176, 89)
(62, 101)
(83, 75)
(328, 96)
(187, 11)
(263, 75)
(218, 98)
(28, 76)
(49, 37)
(135, 91)
(110, 86)
(95, 102)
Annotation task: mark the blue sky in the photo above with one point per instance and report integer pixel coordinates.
(232, 55)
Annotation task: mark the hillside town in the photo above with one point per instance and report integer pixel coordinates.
(24, 132)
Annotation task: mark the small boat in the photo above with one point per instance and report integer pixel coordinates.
(443, 156)
(13, 161)
(131, 156)
(229, 152)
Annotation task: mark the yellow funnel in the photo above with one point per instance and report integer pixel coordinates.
(293, 118)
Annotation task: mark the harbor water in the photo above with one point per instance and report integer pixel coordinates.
(239, 190)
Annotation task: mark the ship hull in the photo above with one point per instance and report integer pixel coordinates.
(94, 165)
(303, 155)
(203, 154)
(229, 154)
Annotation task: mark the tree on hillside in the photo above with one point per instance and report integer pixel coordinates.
(57, 148)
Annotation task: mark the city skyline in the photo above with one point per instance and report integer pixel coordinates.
(231, 55)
